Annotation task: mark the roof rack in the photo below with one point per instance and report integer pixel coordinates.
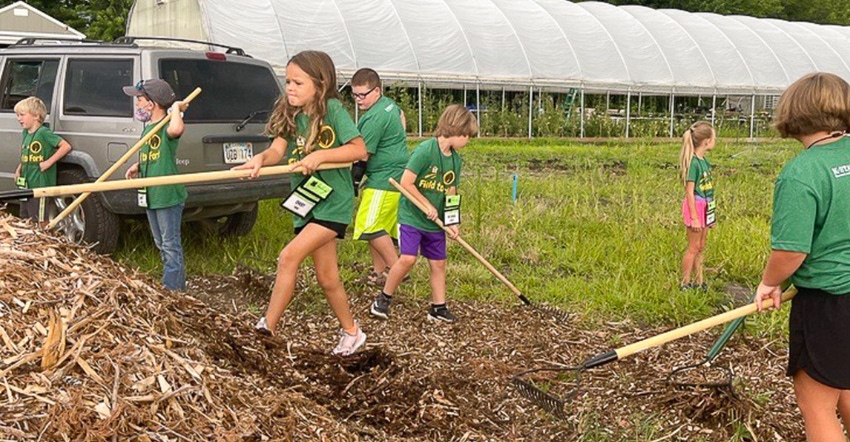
(132, 40)
(32, 41)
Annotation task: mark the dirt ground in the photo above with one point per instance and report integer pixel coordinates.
(416, 380)
(93, 351)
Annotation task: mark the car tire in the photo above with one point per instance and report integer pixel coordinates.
(240, 223)
(90, 222)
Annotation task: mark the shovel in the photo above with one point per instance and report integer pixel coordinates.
(562, 316)
(555, 404)
(189, 178)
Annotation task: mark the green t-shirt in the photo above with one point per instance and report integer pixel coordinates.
(435, 175)
(811, 214)
(700, 174)
(386, 142)
(337, 129)
(158, 157)
(35, 148)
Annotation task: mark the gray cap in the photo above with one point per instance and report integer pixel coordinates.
(157, 90)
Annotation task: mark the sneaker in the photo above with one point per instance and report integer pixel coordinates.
(441, 314)
(262, 327)
(348, 344)
(685, 287)
(381, 306)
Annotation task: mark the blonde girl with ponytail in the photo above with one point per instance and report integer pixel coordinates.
(698, 204)
(310, 126)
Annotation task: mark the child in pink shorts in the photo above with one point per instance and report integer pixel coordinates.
(698, 204)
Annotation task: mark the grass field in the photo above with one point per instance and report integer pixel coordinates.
(596, 230)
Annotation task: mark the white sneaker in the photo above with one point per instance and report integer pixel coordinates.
(348, 344)
(262, 327)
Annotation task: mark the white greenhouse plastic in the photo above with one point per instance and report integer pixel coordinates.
(517, 44)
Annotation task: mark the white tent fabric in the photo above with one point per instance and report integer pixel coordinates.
(545, 43)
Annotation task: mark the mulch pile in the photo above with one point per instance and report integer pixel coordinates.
(90, 350)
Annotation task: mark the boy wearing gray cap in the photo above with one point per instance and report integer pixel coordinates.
(158, 157)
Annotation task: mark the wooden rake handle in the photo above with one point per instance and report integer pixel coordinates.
(127, 155)
(201, 177)
(672, 335)
(463, 243)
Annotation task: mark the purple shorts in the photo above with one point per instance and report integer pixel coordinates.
(412, 240)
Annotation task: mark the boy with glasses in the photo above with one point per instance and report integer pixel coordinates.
(382, 125)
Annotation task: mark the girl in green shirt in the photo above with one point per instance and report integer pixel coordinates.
(310, 127)
(698, 204)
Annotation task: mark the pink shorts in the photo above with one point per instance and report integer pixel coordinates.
(686, 212)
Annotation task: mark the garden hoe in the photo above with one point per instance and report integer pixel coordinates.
(201, 177)
(79, 200)
(704, 374)
(555, 404)
(563, 317)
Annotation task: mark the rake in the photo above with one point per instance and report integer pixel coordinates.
(554, 404)
(558, 314)
(187, 178)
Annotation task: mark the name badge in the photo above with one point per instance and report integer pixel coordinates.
(21, 182)
(710, 215)
(451, 214)
(142, 197)
(306, 196)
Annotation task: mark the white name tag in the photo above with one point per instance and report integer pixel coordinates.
(142, 198)
(298, 205)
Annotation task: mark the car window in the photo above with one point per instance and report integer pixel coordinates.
(93, 87)
(231, 91)
(25, 78)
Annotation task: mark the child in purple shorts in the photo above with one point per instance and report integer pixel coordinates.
(432, 176)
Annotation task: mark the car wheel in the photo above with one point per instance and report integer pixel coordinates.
(240, 223)
(89, 222)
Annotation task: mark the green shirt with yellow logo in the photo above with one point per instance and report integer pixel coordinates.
(436, 173)
(35, 148)
(337, 128)
(700, 174)
(158, 157)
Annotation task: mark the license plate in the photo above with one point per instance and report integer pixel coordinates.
(238, 153)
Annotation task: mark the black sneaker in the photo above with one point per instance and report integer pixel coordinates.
(441, 314)
(381, 306)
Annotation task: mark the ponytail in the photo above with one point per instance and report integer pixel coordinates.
(697, 134)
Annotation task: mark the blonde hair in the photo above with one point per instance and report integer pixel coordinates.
(34, 106)
(697, 134)
(814, 103)
(456, 121)
(320, 68)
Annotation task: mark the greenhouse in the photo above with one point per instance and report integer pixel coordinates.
(556, 49)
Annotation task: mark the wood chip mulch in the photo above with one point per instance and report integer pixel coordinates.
(93, 351)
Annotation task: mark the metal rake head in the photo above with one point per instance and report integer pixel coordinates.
(546, 399)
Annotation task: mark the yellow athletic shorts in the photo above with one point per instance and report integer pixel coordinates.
(377, 215)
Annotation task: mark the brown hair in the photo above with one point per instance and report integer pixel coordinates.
(34, 106)
(320, 68)
(366, 77)
(456, 121)
(694, 136)
(814, 103)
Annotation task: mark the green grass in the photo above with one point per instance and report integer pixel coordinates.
(596, 229)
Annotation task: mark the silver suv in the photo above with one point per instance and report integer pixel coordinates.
(80, 82)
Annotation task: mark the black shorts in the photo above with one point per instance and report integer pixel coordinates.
(339, 228)
(819, 340)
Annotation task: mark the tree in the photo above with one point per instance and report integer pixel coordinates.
(97, 19)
